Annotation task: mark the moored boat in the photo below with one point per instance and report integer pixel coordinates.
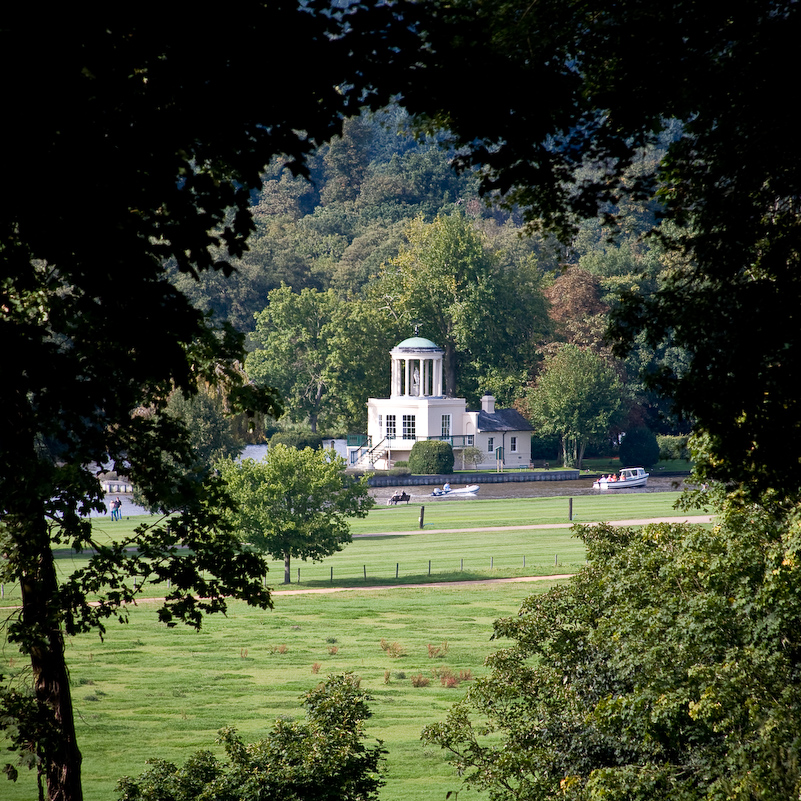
(448, 490)
(629, 477)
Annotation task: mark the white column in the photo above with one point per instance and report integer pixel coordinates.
(408, 385)
(426, 363)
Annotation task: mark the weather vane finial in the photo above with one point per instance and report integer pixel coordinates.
(417, 330)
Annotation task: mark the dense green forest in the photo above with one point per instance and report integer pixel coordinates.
(387, 235)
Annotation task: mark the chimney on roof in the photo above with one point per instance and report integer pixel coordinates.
(488, 403)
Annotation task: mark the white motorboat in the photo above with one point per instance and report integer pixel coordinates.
(448, 490)
(629, 477)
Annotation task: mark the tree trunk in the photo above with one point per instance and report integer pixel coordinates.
(449, 368)
(582, 446)
(287, 578)
(62, 759)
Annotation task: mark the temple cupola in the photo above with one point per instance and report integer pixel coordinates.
(417, 369)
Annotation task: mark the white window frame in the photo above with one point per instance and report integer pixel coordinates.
(446, 425)
(490, 444)
(513, 444)
(392, 430)
(409, 426)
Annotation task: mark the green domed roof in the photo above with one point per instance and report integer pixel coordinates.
(418, 342)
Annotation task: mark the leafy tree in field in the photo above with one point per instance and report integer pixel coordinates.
(323, 757)
(666, 669)
(295, 503)
(578, 397)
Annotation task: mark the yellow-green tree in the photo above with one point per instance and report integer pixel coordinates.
(487, 317)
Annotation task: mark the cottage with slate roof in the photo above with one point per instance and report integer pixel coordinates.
(419, 409)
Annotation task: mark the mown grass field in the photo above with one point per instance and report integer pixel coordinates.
(147, 691)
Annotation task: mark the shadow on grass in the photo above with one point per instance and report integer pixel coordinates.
(424, 578)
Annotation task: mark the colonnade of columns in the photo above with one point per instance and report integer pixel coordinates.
(418, 376)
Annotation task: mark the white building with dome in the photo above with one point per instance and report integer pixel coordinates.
(418, 409)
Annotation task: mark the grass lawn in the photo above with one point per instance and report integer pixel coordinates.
(152, 692)
(462, 555)
(149, 691)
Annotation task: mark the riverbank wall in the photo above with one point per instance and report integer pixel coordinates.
(474, 478)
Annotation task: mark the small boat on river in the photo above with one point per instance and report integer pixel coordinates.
(629, 477)
(448, 490)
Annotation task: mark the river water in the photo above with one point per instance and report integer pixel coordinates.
(528, 489)
(514, 489)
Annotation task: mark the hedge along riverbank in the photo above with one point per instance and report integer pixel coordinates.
(474, 478)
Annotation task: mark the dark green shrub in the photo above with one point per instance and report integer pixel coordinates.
(297, 439)
(431, 457)
(639, 447)
(545, 448)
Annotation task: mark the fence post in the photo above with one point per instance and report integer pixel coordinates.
(492, 562)
(397, 566)
(461, 566)
(298, 575)
(556, 560)
(429, 567)
(570, 515)
(422, 516)
(332, 575)
(524, 560)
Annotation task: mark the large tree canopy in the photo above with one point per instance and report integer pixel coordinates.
(668, 668)
(467, 301)
(609, 79)
(133, 139)
(148, 128)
